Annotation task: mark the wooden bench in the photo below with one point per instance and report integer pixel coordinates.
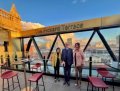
(97, 83)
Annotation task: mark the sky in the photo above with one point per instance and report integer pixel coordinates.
(52, 12)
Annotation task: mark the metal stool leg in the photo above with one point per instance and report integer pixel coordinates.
(30, 86)
(113, 84)
(87, 86)
(43, 83)
(37, 86)
(18, 82)
(8, 85)
(13, 82)
(92, 87)
(104, 89)
(3, 85)
(98, 89)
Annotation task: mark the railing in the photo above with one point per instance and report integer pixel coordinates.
(88, 69)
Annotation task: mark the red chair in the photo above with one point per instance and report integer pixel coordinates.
(10, 75)
(36, 66)
(97, 83)
(106, 74)
(35, 78)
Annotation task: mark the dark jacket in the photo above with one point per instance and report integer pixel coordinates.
(67, 56)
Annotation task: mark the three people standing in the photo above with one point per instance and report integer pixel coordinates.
(68, 57)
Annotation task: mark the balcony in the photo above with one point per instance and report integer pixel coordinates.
(50, 85)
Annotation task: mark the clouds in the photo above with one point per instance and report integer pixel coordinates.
(30, 25)
(83, 1)
(48, 40)
(78, 1)
(64, 36)
(74, 1)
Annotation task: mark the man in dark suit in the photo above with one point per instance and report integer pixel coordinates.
(67, 58)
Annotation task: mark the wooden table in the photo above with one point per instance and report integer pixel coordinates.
(23, 62)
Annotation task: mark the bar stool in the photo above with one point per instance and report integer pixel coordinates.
(36, 66)
(106, 74)
(97, 83)
(9, 75)
(35, 78)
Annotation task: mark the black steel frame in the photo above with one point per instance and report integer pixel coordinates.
(119, 49)
(61, 40)
(106, 45)
(37, 48)
(6, 46)
(52, 47)
(95, 30)
(29, 44)
(89, 40)
(58, 35)
(22, 47)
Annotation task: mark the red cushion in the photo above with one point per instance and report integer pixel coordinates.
(97, 82)
(36, 66)
(8, 74)
(35, 77)
(108, 75)
(105, 73)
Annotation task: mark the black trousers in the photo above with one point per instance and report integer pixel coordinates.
(56, 70)
(67, 72)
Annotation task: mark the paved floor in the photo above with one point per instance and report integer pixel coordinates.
(58, 86)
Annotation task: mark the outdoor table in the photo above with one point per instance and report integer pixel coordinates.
(23, 62)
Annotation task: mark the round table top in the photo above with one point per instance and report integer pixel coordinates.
(20, 62)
